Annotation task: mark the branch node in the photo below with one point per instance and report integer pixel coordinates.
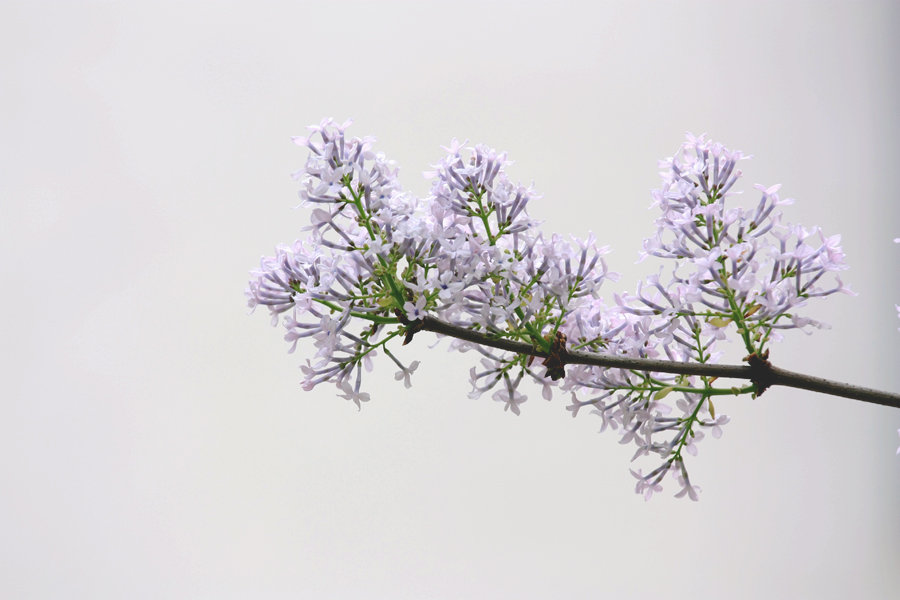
(412, 327)
(555, 361)
(760, 371)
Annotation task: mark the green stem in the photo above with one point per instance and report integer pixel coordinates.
(360, 315)
(737, 314)
(387, 276)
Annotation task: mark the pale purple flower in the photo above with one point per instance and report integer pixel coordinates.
(405, 372)
(649, 484)
(510, 396)
(353, 394)
(691, 491)
(415, 310)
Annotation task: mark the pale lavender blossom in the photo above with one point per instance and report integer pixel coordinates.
(509, 395)
(415, 310)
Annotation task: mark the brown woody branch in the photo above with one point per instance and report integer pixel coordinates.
(759, 371)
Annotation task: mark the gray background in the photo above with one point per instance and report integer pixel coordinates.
(155, 440)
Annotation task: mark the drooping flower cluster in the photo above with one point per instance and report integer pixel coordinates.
(468, 253)
(334, 275)
(494, 271)
(377, 260)
(732, 270)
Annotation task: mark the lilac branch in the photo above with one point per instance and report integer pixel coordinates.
(467, 261)
(762, 374)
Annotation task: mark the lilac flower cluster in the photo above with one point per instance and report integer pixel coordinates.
(732, 270)
(468, 253)
(494, 271)
(377, 260)
(732, 258)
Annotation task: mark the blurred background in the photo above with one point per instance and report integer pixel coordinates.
(155, 442)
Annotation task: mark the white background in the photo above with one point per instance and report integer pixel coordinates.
(154, 439)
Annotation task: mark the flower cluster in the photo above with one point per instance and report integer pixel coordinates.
(377, 260)
(376, 257)
(732, 269)
(491, 269)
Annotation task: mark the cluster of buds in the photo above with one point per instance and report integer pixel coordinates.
(377, 261)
